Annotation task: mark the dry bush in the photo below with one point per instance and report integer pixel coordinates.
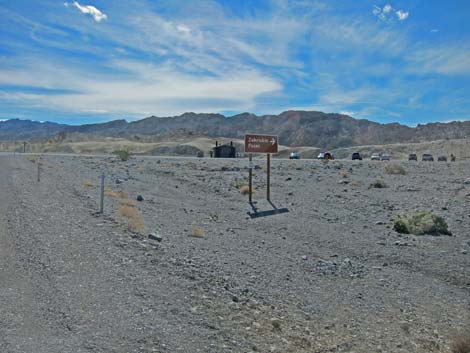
(88, 184)
(123, 154)
(197, 231)
(356, 183)
(344, 174)
(395, 168)
(140, 168)
(245, 190)
(378, 184)
(461, 343)
(116, 194)
(133, 218)
(32, 159)
(420, 222)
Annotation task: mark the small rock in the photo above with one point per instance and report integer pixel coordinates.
(465, 252)
(467, 182)
(118, 181)
(155, 236)
(304, 257)
(379, 223)
(140, 198)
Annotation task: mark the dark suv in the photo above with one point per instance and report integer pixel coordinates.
(356, 156)
(412, 157)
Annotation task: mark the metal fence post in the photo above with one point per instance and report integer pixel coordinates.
(102, 194)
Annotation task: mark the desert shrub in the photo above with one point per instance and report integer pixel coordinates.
(356, 183)
(132, 217)
(378, 184)
(245, 190)
(461, 343)
(123, 154)
(395, 168)
(421, 222)
(344, 174)
(197, 231)
(116, 194)
(88, 184)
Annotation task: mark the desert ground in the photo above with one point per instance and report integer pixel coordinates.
(329, 275)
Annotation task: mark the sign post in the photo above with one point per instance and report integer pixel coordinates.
(250, 178)
(261, 144)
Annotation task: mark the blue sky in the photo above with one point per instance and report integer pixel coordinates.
(98, 60)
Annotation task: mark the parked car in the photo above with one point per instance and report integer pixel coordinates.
(427, 157)
(412, 157)
(385, 157)
(356, 156)
(375, 157)
(442, 159)
(325, 155)
(294, 155)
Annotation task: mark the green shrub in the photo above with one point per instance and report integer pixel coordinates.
(395, 168)
(420, 222)
(378, 184)
(123, 154)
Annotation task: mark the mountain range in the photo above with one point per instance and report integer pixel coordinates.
(294, 128)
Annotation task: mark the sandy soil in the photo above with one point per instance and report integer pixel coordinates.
(330, 275)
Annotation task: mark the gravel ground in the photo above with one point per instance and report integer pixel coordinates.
(331, 275)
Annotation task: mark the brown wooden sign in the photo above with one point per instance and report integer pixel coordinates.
(261, 143)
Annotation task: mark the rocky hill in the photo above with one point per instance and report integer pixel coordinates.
(295, 128)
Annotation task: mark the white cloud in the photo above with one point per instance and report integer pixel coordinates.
(402, 15)
(385, 13)
(97, 15)
(143, 89)
(183, 28)
(387, 8)
(434, 30)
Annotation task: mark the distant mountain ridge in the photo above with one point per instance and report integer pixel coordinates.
(295, 128)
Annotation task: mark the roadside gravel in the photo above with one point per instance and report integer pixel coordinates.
(330, 275)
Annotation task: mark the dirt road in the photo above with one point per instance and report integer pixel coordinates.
(330, 275)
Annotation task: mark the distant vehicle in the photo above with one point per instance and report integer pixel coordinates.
(427, 157)
(375, 157)
(356, 155)
(385, 157)
(442, 159)
(412, 157)
(452, 158)
(325, 155)
(294, 155)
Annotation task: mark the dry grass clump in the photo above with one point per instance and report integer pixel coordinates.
(88, 184)
(245, 190)
(395, 169)
(32, 159)
(378, 184)
(461, 343)
(141, 168)
(197, 231)
(344, 174)
(420, 222)
(133, 218)
(116, 194)
(356, 183)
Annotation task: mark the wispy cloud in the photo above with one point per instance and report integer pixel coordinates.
(97, 15)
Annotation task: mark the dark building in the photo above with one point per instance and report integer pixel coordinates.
(224, 151)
